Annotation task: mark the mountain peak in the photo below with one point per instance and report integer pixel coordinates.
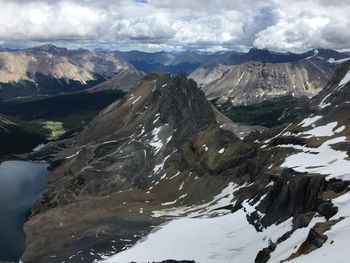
(255, 51)
(50, 48)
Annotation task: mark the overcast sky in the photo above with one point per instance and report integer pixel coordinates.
(280, 25)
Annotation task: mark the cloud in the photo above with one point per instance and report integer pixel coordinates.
(202, 24)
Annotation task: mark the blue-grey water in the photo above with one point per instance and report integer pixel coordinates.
(21, 184)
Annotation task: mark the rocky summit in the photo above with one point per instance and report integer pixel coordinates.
(157, 177)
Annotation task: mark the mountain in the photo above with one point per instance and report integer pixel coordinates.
(328, 54)
(124, 81)
(254, 82)
(208, 73)
(171, 62)
(49, 70)
(147, 127)
(267, 56)
(157, 167)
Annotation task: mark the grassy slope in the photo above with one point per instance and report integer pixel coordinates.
(268, 113)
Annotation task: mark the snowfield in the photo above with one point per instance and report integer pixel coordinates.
(220, 239)
(204, 235)
(224, 239)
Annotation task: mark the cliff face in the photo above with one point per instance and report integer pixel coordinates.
(254, 82)
(159, 156)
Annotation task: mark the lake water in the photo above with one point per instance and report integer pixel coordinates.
(21, 184)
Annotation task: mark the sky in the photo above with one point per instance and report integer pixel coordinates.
(153, 25)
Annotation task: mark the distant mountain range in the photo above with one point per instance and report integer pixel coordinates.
(243, 78)
(188, 61)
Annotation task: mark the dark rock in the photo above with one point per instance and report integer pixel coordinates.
(327, 209)
(185, 107)
(315, 238)
(263, 255)
(303, 220)
(291, 195)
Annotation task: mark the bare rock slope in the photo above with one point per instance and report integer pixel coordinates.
(254, 82)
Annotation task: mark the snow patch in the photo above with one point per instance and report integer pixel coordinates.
(321, 160)
(345, 80)
(310, 120)
(136, 100)
(160, 166)
(73, 155)
(320, 131)
(221, 151)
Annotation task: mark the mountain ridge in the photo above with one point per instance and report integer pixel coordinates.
(282, 206)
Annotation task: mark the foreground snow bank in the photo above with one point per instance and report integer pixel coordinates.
(220, 239)
(223, 239)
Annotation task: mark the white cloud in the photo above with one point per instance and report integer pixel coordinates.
(275, 24)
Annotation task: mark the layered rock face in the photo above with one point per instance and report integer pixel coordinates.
(159, 156)
(254, 82)
(80, 65)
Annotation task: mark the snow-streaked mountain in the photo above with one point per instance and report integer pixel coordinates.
(318, 160)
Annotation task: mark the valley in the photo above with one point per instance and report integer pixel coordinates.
(50, 118)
